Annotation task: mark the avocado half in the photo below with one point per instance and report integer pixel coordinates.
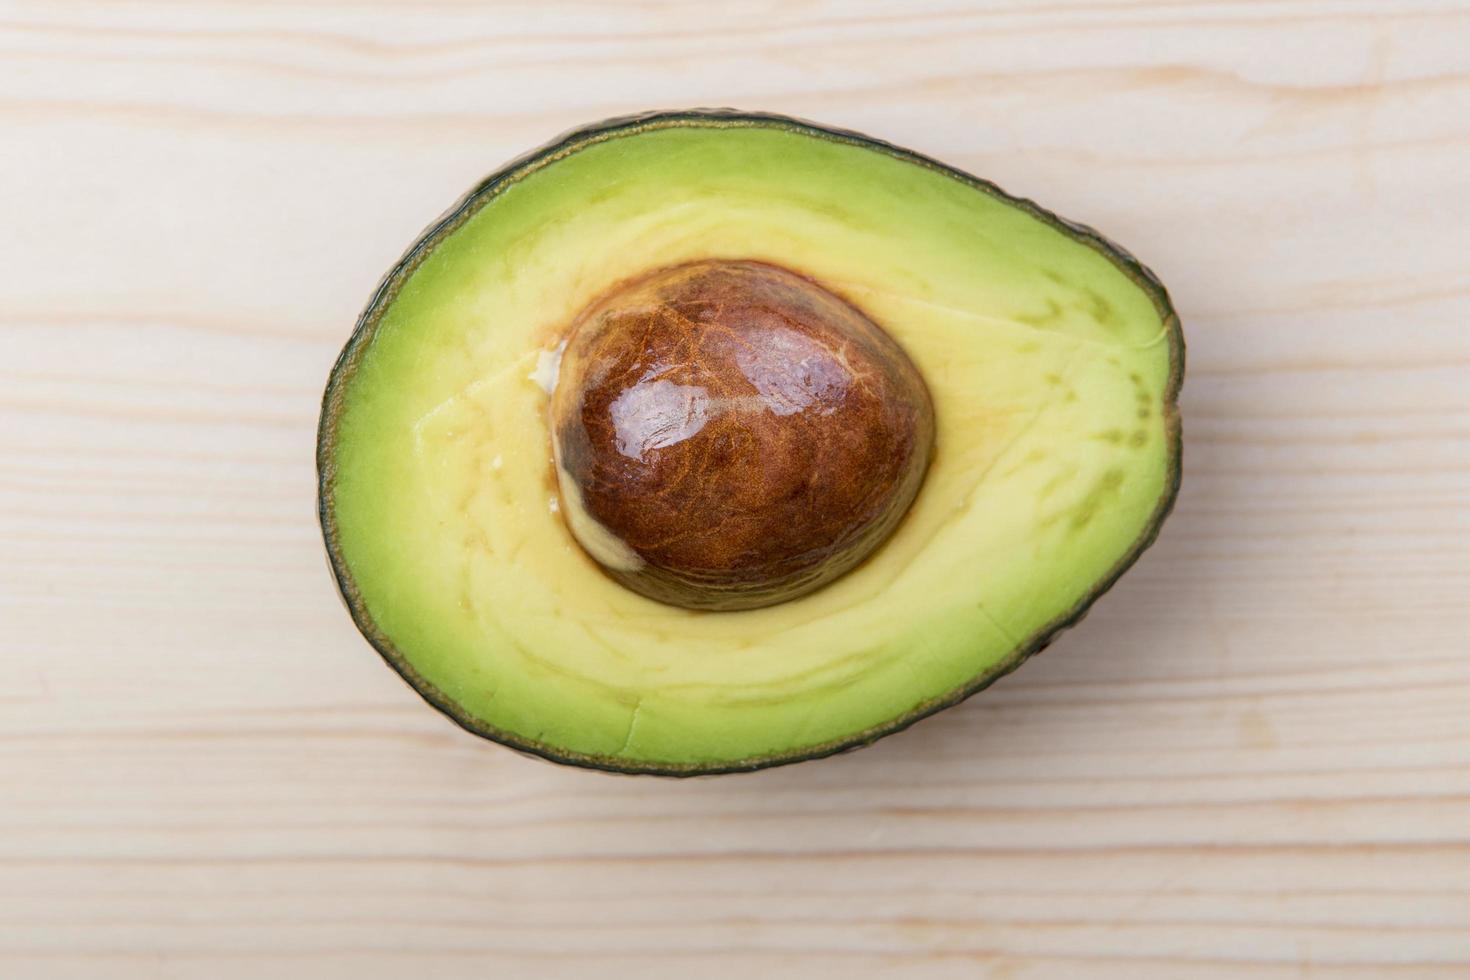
(1053, 357)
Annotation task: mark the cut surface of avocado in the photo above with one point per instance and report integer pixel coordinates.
(1052, 358)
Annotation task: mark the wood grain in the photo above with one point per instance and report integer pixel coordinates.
(1253, 759)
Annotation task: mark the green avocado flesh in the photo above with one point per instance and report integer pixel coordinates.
(1052, 358)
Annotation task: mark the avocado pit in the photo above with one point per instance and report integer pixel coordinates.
(730, 435)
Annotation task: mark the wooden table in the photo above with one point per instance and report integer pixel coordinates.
(1253, 760)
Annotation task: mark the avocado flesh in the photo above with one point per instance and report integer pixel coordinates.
(1053, 362)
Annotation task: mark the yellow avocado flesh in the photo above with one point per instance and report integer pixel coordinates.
(1051, 369)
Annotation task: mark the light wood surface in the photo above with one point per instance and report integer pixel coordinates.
(1253, 759)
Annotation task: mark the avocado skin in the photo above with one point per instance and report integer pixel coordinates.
(447, 223)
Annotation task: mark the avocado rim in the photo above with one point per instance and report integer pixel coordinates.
(574, 140)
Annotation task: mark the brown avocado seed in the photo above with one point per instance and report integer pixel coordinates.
(730, 435)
